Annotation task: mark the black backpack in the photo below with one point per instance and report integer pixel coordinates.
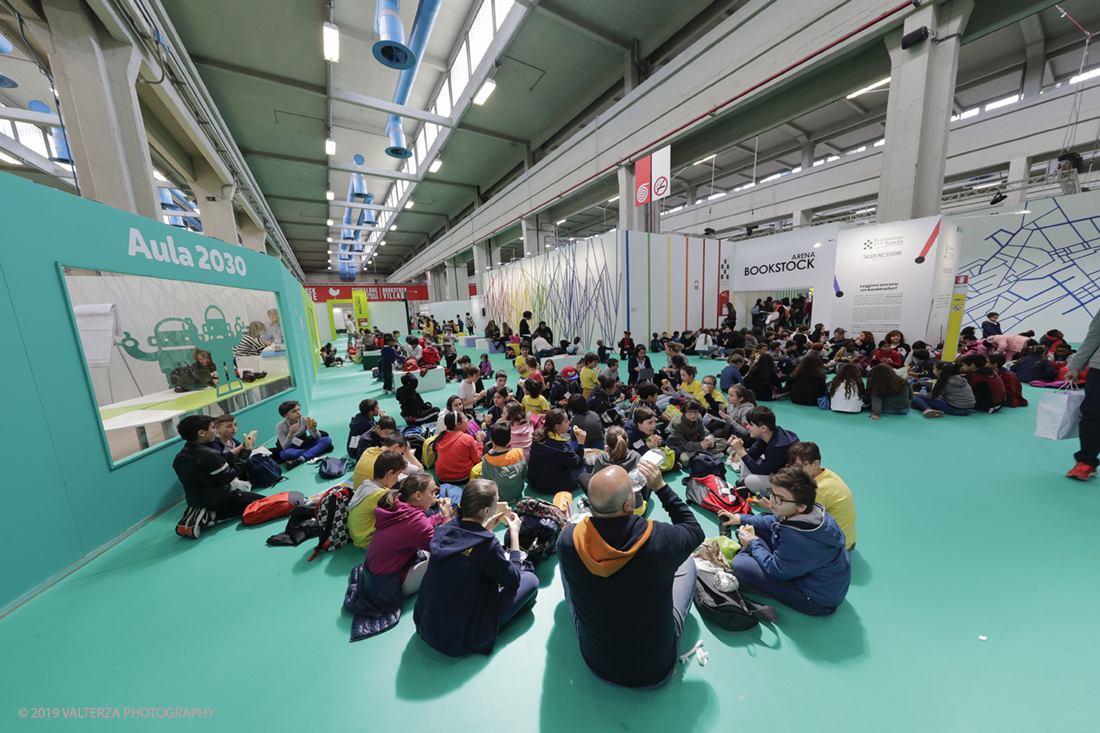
(728, 608)
(332, 519)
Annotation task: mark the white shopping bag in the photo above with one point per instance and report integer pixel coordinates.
(1058, 414)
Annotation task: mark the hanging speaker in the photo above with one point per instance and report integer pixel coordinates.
(920, 35)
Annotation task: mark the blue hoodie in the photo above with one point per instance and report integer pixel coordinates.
(730, 376)
(458, 607)
(764, 459)
(806, 548)
(359, 426)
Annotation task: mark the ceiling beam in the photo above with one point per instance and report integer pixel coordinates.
(560, 15)
(464, 127)
(25, 115)
(367, 170)
(362, 100)
(304, 86)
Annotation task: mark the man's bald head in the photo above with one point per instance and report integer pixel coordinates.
(610, 490)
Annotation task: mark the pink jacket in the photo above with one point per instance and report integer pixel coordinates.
(1009, 344)
(521, 437)
(398, 534)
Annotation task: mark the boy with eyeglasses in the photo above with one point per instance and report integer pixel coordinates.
(832, 492)
(796, 554)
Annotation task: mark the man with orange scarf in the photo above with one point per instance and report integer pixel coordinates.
(628, 580)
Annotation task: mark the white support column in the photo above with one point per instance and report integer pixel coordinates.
(95, 77)
(631, 217)
(808, 150)
(252, 236)
(532, 242)
(802, 218)
(1019, 170)
(451, 274)
(215, 200)
(918, 117)
(481, 262)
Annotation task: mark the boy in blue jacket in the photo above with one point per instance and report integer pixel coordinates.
(796, 554)
(385, 366)
(361, 423)
(766, 455)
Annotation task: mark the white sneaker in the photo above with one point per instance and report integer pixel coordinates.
(315, 459)
(735, 465)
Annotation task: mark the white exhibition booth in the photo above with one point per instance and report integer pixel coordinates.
(875, 278)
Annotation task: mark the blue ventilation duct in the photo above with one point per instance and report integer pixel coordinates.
(347, 271)
(426, 13)
(390, 50)
(357, 193)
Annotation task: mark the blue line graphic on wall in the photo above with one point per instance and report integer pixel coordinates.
(1052, 261)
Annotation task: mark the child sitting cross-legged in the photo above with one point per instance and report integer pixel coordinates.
(890, 394)
(522, 429)
(533, 401)
(472, 587)
(616, 453)
(766, 454)
(688, 434)
(557, 458)
(846, 391)
(503, 465)
(796, 554)
(950, 395)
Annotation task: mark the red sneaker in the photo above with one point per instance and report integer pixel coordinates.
(1082, 472)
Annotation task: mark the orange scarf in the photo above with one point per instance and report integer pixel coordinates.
(599, 557)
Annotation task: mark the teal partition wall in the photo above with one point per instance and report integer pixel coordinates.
(59, 489)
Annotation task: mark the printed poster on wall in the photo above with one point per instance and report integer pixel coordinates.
(893, 276)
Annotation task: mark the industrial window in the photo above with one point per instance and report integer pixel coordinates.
(460, 72)
(481, 33)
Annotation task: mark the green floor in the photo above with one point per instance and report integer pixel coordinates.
(967, 529)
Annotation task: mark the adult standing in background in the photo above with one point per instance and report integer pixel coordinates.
(757, 316)
(1089, 429)
(349, 326)
(273, 334)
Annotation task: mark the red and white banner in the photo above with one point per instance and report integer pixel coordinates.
(642, 184)
(661, 173)
(324, 292)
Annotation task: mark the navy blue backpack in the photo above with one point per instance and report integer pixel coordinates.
(334, 467)
(263, 471)
(706, 464)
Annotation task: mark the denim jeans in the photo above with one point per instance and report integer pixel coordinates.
(927, 403)
(315, 449)
(683, 590)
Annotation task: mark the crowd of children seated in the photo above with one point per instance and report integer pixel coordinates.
(542, 429)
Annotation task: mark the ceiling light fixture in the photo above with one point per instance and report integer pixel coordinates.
(613, 200)
(393, 228)
(998, 198)
(704, 160)
(330, 35)
(329, 222)
(328, 239)
(435, 166)
(382, 243)
(871, 88)
(484, 93)
(561, 222)
(330, 195)
(330, 146)
(409, 204)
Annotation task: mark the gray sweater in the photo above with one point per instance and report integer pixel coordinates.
(603, 460)
(282, 430)
(1089, 353)
(899, 401)
(957, 393)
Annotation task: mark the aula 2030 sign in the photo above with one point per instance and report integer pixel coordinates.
(167, 251)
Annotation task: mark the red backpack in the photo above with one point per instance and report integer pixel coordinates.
(1014, 392)
(716, 494)
(272, 507)
(410, 364)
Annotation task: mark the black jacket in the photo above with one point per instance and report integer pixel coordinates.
(206, 473)
(642, 652)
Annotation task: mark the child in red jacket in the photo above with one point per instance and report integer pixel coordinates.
(989, 390)
(886, 354)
